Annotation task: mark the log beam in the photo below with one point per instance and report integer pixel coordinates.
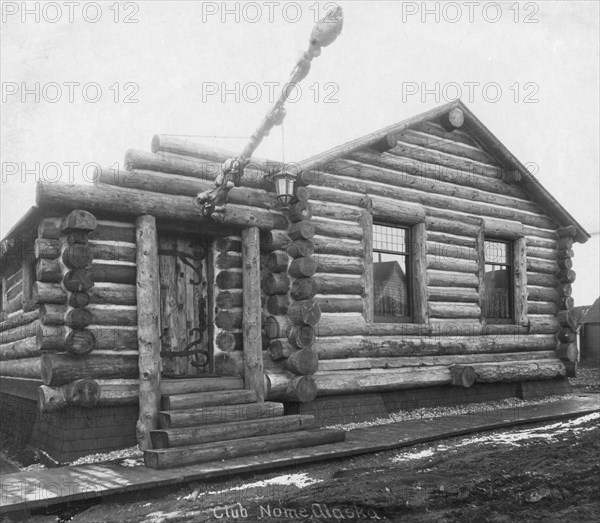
(253, 361)
(84, 393)
(148, 319)
(285, 386)
(131, 202)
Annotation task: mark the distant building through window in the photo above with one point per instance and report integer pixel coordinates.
(498, 281)
(391, 281)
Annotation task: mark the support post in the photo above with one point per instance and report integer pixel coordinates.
(148, 310)
(366, 221)
(253, 362)
(419, 272)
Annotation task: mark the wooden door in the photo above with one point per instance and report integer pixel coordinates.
(186, 348)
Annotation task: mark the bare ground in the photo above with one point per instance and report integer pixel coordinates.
(543, 472)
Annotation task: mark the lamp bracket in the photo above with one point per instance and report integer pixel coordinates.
(212, 201)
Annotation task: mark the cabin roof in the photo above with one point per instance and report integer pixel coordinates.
(472, 124)
(20, 233)
(382, 271)
(593, 313)
(485, 138)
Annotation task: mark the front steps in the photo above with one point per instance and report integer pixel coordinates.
(168, 438)
(178, 456)
(209, 419)
(223, 397)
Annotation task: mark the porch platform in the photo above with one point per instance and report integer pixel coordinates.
(23, 491)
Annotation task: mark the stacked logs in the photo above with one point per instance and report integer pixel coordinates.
(229, 343)
(567, 350)
(22, 335)
(340, 250)
(87, 318)
(448, 186)
(12, 292)
(113, 296)
(19, 356)
(63, 283)
(453, 271)
(290, 289)
(19, 320)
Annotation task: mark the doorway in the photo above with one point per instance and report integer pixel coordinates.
(185, 265)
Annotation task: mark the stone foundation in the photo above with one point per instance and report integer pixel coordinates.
(71, 433)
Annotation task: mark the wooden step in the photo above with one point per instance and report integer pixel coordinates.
(191, 385)
(179, 456)
(207, 399)
(162, 439)
(218, 414)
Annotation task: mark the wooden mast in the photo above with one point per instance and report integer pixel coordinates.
(212, 202)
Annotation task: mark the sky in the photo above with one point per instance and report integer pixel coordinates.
(84, 81)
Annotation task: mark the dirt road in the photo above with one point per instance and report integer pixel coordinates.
(544, 472)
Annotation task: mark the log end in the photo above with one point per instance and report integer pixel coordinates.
(303, 362)
(463, 376)
(306, 388)
(453, 119)
(279, 350)
(79, 342)
(155, 145)
(79, 220)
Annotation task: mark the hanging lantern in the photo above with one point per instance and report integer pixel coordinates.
(284, 186)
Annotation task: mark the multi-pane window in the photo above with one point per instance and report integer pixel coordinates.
(391, 278)
(498, 281)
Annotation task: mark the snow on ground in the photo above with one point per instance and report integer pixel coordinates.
(436, 412)
(296, 480)
(131, 457)
(547, 432)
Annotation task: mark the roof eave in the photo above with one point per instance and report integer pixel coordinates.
(502, 154)
(530, 183)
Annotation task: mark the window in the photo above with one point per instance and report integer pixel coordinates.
(498, 281)
(391, 274)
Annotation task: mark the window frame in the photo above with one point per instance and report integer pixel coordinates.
(2, 294)
(408, 254)
(511, 281)
(404, 215)
(511, 233)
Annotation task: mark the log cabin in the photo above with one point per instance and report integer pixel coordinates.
(419, 265)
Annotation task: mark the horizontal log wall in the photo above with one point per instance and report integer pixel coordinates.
(451, 186)
(23, 298)
(81, 329)
(459, 193)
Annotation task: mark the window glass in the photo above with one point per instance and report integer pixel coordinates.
(498, 280)
(391, 284)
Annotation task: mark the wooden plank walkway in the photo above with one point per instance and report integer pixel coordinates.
(29, 490)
